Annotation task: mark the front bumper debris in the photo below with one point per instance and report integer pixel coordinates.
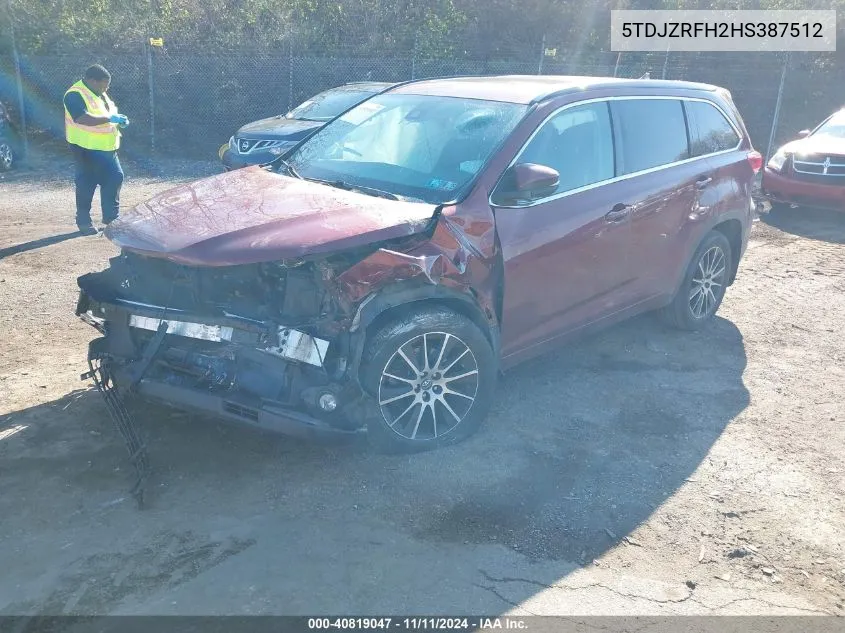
(238, 369)
(101, 366)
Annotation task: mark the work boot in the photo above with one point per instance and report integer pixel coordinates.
(88, 229)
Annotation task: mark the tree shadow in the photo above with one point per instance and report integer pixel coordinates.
(817, 224)
(39, 243)
(581, 447)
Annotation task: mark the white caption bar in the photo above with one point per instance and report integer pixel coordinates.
(728, 31)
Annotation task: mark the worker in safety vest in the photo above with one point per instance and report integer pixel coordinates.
(92, 128)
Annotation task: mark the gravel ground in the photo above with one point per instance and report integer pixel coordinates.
(641, 471)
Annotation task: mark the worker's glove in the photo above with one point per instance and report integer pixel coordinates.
(121, 119)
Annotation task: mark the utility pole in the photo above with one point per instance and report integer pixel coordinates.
(17, 61)
(152, 91)
(542, 55)
(777, 107)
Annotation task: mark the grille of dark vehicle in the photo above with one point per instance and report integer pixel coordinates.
(828, 169)
(247, 145)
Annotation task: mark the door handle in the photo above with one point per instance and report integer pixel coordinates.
(701, 183)
(618, 213)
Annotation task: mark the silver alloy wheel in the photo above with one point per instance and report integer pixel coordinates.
(418, 378)
(709, 277)
(6, 156)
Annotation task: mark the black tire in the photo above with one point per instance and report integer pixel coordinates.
(8, 155)
(417, 430)
(691, 312)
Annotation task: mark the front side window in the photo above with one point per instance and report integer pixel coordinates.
(710, 131)
(577, 143)
(650, 133)
(417, 146)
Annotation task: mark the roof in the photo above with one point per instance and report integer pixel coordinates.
(527, 89)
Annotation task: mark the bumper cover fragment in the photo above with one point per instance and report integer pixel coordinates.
(100, 371)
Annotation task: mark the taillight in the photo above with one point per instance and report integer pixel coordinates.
(755, 159)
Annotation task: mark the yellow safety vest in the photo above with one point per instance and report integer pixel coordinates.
(104, 137)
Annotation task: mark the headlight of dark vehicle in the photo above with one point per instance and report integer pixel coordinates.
(777, 161)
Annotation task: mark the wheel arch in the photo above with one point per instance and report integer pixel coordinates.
(393, 301)
(732, 229)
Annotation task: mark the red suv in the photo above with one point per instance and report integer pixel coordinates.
(810, 171)
(382, 275)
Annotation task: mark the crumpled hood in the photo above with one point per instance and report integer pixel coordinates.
(251, 215)
(816, 145)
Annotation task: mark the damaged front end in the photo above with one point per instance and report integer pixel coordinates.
(260, 343)
(277, 345)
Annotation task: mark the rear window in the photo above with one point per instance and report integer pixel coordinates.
(650, 133)
(710, 131)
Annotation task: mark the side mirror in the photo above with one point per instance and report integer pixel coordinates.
(804, 133)
(526, 182)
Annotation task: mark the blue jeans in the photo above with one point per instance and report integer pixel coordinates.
(96, 168)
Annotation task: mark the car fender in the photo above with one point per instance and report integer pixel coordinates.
(379, 304)
(703, 229)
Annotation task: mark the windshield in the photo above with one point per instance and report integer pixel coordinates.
(424, 147)
(327, 105)
(833, 127)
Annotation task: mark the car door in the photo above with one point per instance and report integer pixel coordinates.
(714, 138)
(653, 154)
(565, 255)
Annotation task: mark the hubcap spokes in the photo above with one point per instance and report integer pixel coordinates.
(709, 278)
(428, 386)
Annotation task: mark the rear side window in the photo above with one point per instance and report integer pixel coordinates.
(649, 133)
(710, 131)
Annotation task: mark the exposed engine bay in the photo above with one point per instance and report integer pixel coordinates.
(271, 332)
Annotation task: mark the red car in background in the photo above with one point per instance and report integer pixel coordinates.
(810, 171)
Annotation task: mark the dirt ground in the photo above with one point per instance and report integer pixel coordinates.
(642, 471)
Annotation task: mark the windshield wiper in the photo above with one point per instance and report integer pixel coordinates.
(372, 191)
(282, 162)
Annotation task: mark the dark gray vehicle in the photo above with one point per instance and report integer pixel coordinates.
(261, 142)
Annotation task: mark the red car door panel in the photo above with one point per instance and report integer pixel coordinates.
(565, 265)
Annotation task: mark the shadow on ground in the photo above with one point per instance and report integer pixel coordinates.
(581, 447)
(39, 243)
(816, 224)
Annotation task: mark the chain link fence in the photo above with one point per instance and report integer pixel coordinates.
(185, 105)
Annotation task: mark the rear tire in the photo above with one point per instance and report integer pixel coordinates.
(425, 404)
(704, 284)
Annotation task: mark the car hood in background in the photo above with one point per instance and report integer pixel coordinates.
(252, 215)
(278, 128)
(816, 145)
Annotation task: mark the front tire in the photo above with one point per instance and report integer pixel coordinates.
(703, 286)
(432, 374)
